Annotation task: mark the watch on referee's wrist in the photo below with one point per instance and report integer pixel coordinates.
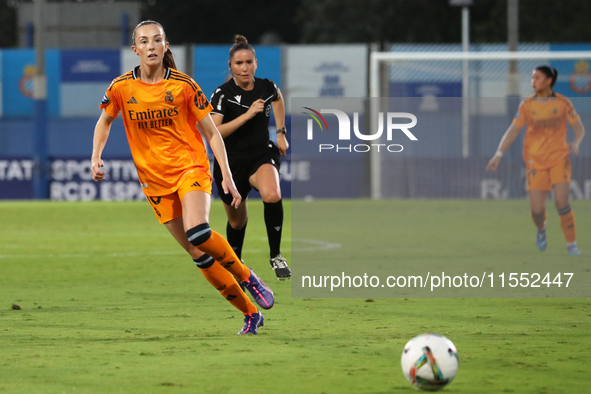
(282, 130)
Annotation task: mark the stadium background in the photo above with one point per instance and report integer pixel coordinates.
(104, 300)
(77, 78)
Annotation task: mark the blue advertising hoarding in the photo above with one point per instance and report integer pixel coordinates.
(18, 70)
(210, 65)
(90, 65)
(70, 180)
(85, 75)
(574, 76)
(16, 176)
(306, 176)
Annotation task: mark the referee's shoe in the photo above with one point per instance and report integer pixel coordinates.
(279, 265)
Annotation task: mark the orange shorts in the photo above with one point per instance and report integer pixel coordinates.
(169, 207)
(546, 178)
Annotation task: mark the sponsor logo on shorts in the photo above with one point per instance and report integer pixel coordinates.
(196, 184)
(156, 200)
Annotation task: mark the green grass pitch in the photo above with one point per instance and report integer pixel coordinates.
(111, 304)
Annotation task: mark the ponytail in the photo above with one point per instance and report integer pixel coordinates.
(549, 72)
(240, 43)
(168, 60)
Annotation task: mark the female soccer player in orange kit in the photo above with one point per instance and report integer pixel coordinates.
(546, 153)
(161, 108)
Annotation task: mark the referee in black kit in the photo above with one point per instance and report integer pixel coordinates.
(241, 112)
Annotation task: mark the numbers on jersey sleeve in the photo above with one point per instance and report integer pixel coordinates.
(200, 100)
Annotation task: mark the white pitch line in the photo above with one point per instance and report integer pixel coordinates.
(320, 245)
(87, 255)
(94, 234)
(317, 245)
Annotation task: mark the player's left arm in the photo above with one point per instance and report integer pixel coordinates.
(575, 121)
(216, 142)
(579, 130)
(279, 114)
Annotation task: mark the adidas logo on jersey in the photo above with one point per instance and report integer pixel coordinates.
(196, 184)
(238, 98)
(132, 100)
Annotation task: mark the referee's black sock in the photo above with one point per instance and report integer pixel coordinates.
(236, 238)
(274, 223)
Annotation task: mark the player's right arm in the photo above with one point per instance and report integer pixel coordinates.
(219, 103)
(101, 134)
(228, 128)
(508, 138)
(579, 130)
(218, 148)
(575, 121)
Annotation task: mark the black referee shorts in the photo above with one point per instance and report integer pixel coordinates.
(243, 167)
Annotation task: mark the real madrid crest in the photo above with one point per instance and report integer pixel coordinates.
(169, 98)
(580, 80)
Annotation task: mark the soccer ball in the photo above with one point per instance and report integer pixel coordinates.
(429, 361)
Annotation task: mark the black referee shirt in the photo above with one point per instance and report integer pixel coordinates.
(231, 101)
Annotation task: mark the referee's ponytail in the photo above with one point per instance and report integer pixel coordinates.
(549, 72)
(168, 60)
(240, 43)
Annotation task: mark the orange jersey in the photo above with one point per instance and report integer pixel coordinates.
(545, 136)
(161, 125)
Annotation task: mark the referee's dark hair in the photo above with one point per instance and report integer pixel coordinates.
(168, 60)
(240, 43)
(549, 72)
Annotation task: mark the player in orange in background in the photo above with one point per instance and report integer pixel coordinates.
(161, 108)
(546, 152)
